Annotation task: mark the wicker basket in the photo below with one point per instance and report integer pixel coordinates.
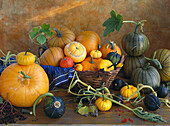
(96, 78)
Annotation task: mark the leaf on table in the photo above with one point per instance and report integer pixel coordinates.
(93, 110)
(112, 23)
(41, 39)
(1, 100)
(83, 110)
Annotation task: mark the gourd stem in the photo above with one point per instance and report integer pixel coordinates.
(142, 86)
(155, 61)
(136, 29)
(145, 67)
(40, 97)
(25, 76)
(112, 45)
(110, 66)
(127, 85)
(91, 59)
(27, 51)
(58, 33)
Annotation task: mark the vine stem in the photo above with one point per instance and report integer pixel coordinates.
(138, 89)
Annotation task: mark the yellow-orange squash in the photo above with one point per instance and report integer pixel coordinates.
(78, 67)
(96, 53)
(61, 37)
(76, 51)
(52, 56)
(109, 47)
(23, 84)
(90, 40)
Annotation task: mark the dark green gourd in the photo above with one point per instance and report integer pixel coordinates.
(114, 57)
(147, 75)
(54, 107)
(152, 102)
(135, 44)
(132, 63)
(162, 92)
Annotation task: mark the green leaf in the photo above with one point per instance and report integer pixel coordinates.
(83, 110)
(45, 26)
(113, 23)
(36, 29)
(42, 31)
(93, 110)
(1, 100)
(41, 39)
(33, 34)
(49, 33)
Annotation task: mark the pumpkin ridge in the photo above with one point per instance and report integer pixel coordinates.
(160, 53)
(68, 38)
(54, 43)
(44, 57)
(164, 59)
(164, 54)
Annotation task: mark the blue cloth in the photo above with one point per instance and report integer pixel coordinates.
(58, 75)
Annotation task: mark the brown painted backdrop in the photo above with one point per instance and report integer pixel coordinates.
(18, 17)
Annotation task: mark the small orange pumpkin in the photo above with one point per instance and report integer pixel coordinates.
(23, 84)
(61, 37)
(90, 40)
(109, 47)
(52, 56)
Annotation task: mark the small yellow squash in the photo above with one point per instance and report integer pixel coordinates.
(103, 104)
(96, 53)
(106, 65)
(25, 58)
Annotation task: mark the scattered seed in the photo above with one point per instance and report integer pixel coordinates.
(130, 119)
(129, 111)
(119, 115)
(115, 110)
(110, 110)
(123, 111)
(144, 119)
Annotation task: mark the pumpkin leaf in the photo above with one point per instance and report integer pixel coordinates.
(36, 29)
(45, 26)
(49, 33)
(113, 23)
(33, 34)
(93, 110)
(41, 39)
(84, 110)
(1, 100)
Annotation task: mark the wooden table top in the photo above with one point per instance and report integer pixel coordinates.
(110, 118)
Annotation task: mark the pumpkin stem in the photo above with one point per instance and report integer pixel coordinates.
(91, 59)
(155, 61)
(145, 67)
(103, 98)
(58, 33)
(127, 85)
(24, 75)
(110, 66)
(112, 45)
(136, 29)
(27, 51)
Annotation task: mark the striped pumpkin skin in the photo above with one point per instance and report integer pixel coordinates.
(135, 44)
(52, 56)
(132, 63)
(163, 56)
(147, 76)
(56, 40)
(76, 51)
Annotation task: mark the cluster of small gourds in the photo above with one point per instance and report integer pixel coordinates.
(83, 50)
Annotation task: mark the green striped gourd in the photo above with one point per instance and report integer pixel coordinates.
(132, 63)
(61, 37)
(163, 56)
(52, 56)
(135, 44)
(147, 75)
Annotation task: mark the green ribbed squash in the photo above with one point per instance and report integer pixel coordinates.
(147, 75)
(132, 63)
(135, 44)
(163, 56)
(61, 37)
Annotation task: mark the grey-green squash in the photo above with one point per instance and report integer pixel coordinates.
(147, 75)
(132, 63)
(163, 56)
(134, 43)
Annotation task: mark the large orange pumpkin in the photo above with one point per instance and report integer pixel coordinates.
(23, 90)
(109, 47)
(90, 40)
(52, 56)
(76, 51)
(61, 37)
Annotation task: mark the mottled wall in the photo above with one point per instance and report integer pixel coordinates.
(18, 17)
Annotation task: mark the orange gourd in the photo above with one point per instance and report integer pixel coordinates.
(23, 84)
(109, 47)
(90, 40)
(61, 37)
(52, 56)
